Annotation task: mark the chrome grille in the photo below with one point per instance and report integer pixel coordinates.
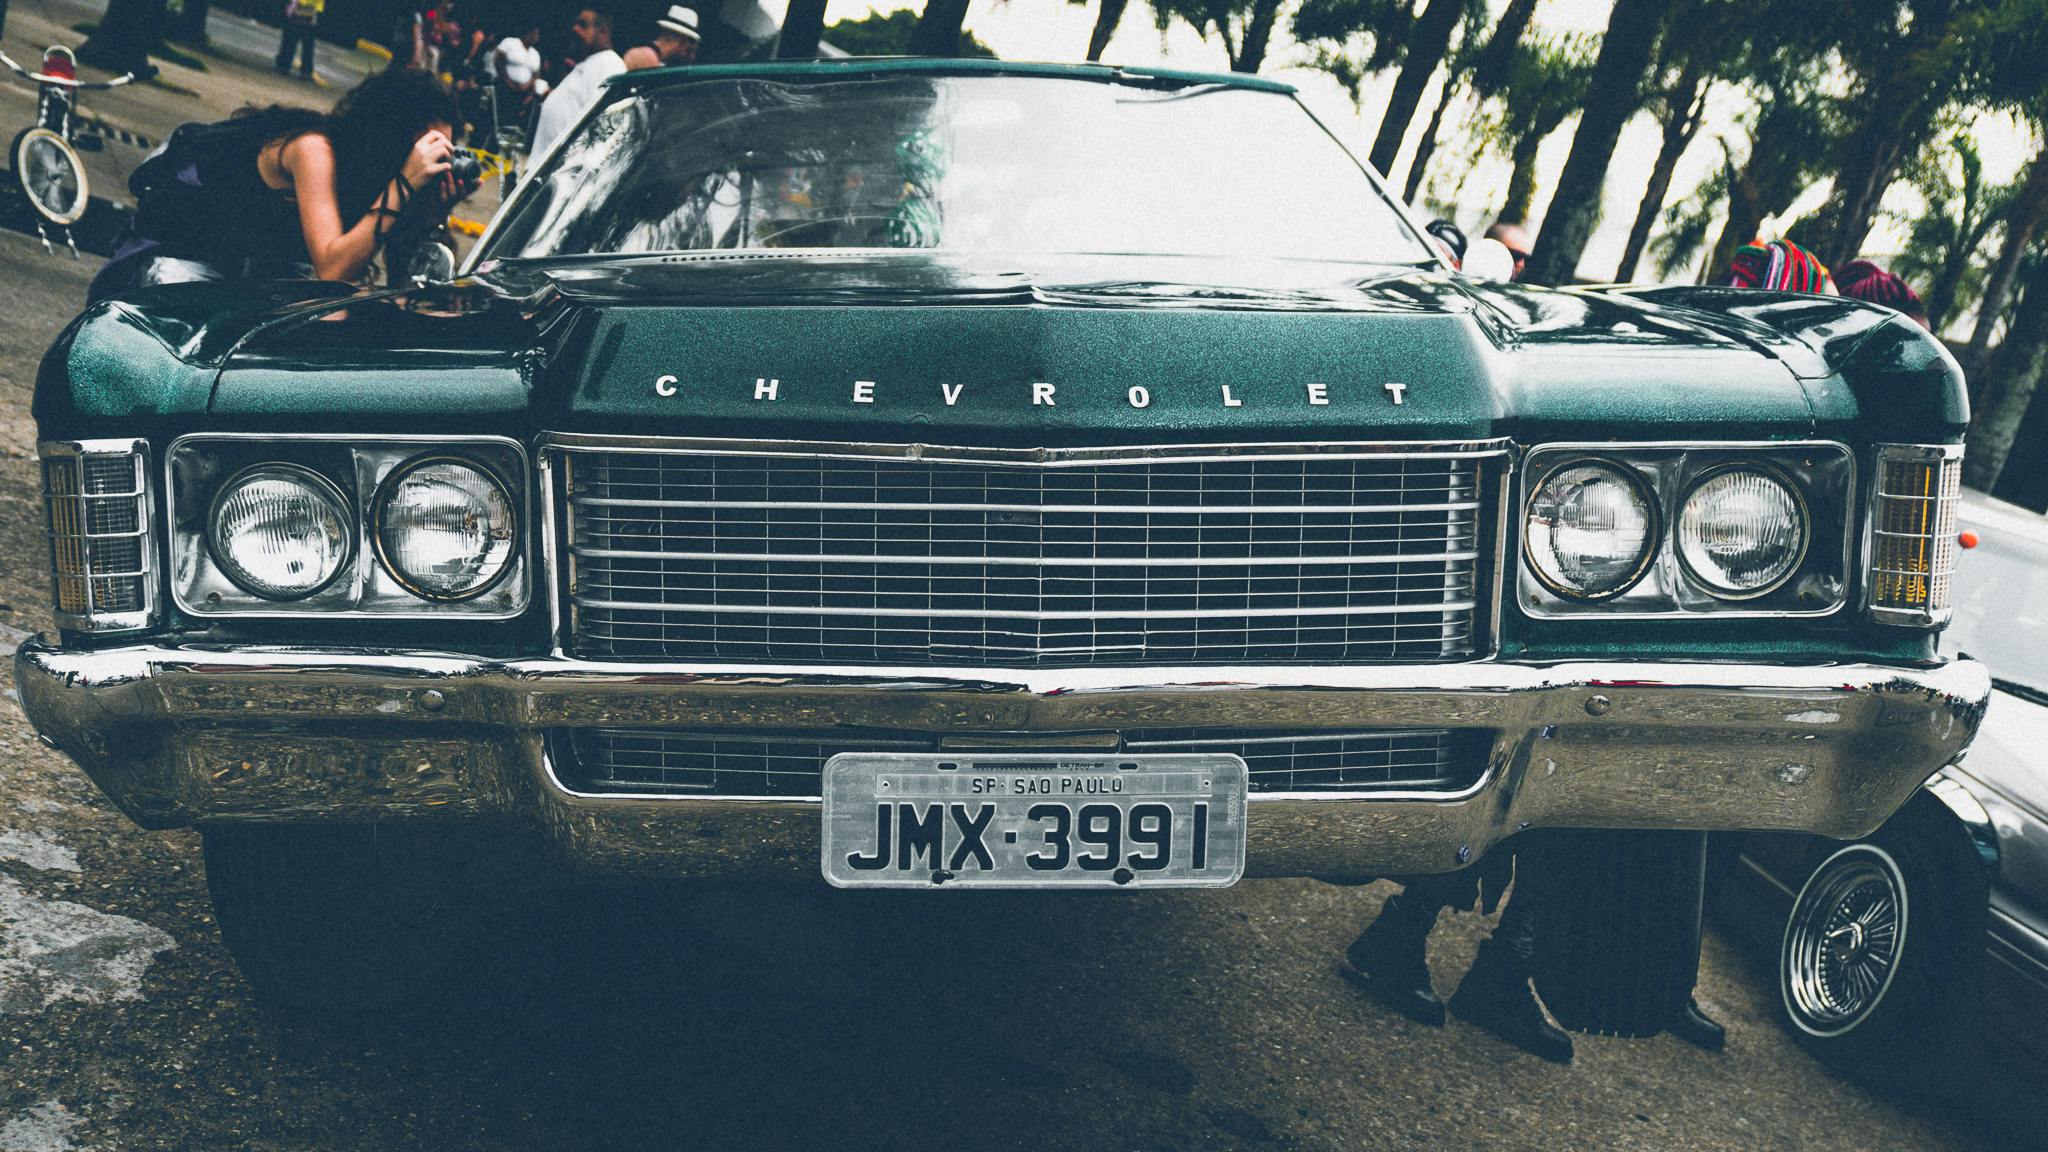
(96, 496)
(738, 763)
(1299, 556)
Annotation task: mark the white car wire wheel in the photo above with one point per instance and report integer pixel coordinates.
(1844, 941)
(50, 172)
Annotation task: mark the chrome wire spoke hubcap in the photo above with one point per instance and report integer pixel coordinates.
(1844, 940)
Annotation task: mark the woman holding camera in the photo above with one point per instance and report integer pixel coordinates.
(287, 193)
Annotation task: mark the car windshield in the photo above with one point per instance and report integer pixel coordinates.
(989, 164)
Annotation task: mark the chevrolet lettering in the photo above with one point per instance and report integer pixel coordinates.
(954, 475)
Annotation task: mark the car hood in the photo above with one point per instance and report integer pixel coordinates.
(919, 346)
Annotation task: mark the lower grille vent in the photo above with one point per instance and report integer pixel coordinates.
(735, 763)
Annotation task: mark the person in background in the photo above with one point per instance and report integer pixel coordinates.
(596, 62)
(1390, 960)
(1867, 282)
(517, 60)
(675, 42)
(301, 22)
(1779, 265)
(286, 193)
(1515, 239)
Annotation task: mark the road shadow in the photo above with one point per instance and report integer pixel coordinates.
(768, 1018)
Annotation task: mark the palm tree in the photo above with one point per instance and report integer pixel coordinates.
(1107, 17)
(1388, 32)
(1908, 60)
(1612, 96)
(938, 30)
(1244, 26)
(1944, 239)
(802, 28)
(1486, 67)
(1545, 83)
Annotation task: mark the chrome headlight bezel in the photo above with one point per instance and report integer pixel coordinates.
(1821, 474)
(1629, 478)
(388, 488)
(195, 466)
(327, 491)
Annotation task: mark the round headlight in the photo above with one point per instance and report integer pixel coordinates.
(1592, 528)
(280, 531)
(445, 528)
(1741, 533)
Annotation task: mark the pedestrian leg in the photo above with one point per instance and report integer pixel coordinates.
(1496, 993)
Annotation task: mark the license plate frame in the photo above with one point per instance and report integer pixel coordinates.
(865, 794)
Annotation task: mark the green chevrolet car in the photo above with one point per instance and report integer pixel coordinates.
(965, 474)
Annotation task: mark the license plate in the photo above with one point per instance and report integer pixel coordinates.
(995, 820)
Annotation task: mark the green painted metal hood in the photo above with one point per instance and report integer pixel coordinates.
(931, 348)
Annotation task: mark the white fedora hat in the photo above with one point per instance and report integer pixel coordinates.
(681, 21)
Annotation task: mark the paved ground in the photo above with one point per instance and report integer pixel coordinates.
(680, 1018)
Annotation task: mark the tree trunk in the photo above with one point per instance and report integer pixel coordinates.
(1426, 49)
(1522, 180)
(1490, 75)
(938, 30)
(1685, 110)
(1426, 147)
(2023, 221)
(1610, 100)
(1107, 18)
(2027, 485)
(802, 28)
(1258, 33)
(1874, 166)
(1941, 295)
(2015, 378)
(126, 35)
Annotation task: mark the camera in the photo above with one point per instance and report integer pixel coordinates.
(465, 166)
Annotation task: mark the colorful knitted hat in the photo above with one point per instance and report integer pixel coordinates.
(1866, 281)
(1779, 265)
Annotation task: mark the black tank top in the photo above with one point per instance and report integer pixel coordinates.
(213, 205)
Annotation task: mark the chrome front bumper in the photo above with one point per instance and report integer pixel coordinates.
(180, 736)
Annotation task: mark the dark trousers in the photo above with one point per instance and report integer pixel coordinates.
(297, 36)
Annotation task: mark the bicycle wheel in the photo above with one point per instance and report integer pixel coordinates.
(52, 174)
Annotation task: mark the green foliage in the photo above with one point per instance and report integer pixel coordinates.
(1945, 240)
(889, 35)
(1687, 225)
(1365, 37)
(1244, 26)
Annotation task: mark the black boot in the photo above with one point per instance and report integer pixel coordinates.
(1496, 996)
(1695, 1027)
(1389, 959)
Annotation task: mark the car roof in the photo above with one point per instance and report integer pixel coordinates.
(800, 71)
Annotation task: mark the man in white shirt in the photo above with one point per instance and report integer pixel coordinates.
(580, 88)
(516, 63)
